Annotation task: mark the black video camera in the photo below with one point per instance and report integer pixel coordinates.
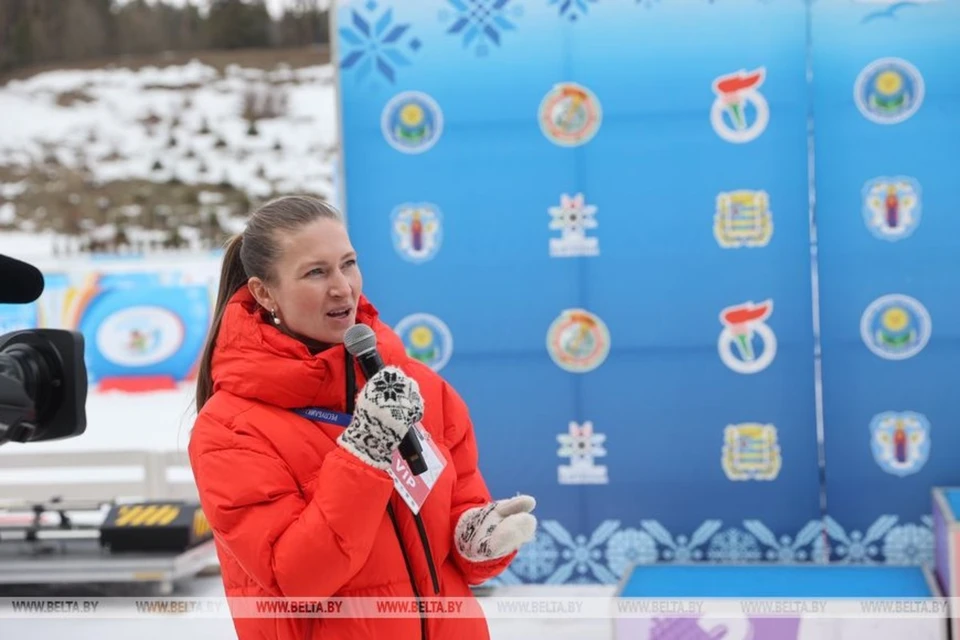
(43, 376)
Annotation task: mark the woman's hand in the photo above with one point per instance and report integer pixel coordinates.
(388, 405)
(497, 529)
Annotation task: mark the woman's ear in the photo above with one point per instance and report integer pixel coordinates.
(261, 294)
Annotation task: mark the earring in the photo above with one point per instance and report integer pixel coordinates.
(276, 320)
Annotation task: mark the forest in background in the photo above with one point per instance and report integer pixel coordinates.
(70, 33)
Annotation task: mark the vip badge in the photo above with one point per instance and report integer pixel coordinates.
(578, 341)
(426, 339)
(891, 207)
(895, 327)
(900, 441)
(751, 452)
(416, 231)
(572, 218)
(743, 219)
(888, 91)
(740, 112)
(412, 122)
(747, 345)
(580, 445)
(570, 114)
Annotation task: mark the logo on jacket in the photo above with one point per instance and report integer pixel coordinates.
(580, 445)
(740, 112)
(578, 341)
(747, 345)
(570, 114)
(426, 339)
(891, 207)
(900, 441)
(743, 219)
(888, 91)
(412, 122)
(895, 327)
(416, 230)
(572, 218)
(751, 452)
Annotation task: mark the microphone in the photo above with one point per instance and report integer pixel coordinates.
(361, 342)
(20, 283)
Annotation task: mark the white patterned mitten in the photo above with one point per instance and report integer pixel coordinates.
(388, 405)
(497, 529)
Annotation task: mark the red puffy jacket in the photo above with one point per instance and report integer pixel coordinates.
(294, 515)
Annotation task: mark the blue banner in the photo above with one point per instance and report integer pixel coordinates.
(593, 219)
(886, 97)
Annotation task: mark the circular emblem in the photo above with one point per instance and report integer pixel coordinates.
(570, 114)
(895, 327)
(740, 113)
(140, 336)
(416, 230)
(900, 441)
(891, 207)
(888, 91)
(427, 339)
(578, 341)
(747, 344)
(412, 122)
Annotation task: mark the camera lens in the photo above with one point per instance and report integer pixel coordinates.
(29, 367)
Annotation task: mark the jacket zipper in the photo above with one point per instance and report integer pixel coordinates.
(406, 561)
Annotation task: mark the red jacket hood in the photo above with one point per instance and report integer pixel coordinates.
(255, 360)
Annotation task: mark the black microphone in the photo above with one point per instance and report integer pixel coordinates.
(20, 283)
(361, 343)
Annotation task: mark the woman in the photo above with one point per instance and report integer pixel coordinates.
(304, 506)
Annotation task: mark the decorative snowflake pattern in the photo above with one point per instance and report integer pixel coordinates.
(910, 544)
(375, 43)
(573, 10)
(856, 547)
(557, 556)
(733, 545)
(628, 547)
(481, 23)
(786, 549)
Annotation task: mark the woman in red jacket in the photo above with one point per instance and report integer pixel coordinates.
(292, 449)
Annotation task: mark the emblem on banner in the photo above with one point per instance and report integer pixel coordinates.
(581, 445)
(900, 441)
(895, 327)
(888, 91)
(578, 341)
(570, 114)
(891, 207)
(743, 219)
(740, 112)
(416, 231)
(572, 218)
(412, 122)
(747, 345)
(751, 452)
(426, 339)
(140, 336)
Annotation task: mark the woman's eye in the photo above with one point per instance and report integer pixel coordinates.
(315, 272)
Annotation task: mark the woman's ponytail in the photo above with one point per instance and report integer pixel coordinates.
(232, 277)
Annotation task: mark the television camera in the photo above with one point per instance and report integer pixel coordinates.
(43, 377)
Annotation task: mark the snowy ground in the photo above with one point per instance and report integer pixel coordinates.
(122, 122)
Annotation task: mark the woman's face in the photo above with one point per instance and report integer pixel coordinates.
(317, 282)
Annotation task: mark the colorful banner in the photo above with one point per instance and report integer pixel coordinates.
(144, 326)
(592, 218)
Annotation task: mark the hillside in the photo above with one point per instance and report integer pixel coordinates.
(161, 154)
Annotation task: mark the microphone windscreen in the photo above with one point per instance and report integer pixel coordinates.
(20, 283)
(359, 339)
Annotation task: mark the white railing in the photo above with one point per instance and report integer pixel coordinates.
(97, 475)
